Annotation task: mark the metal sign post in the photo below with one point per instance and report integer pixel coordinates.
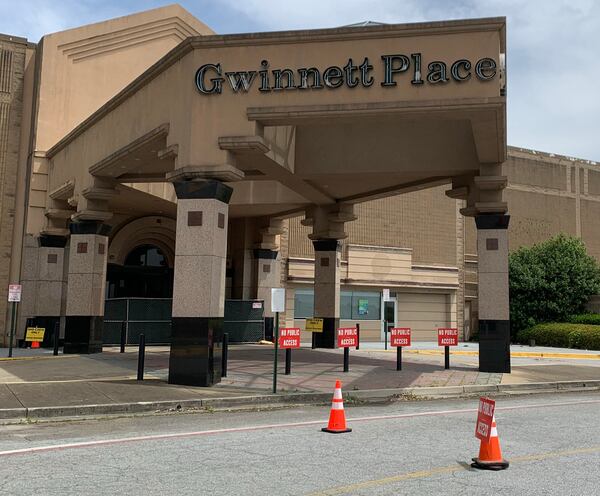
(277, 305)
(14, 296)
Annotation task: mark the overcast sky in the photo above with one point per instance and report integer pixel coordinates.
(553, 47)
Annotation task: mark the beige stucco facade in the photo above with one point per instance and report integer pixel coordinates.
(240, 157)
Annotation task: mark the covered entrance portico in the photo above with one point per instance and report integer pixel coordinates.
(250, 129)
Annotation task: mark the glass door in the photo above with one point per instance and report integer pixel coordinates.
(388, 314)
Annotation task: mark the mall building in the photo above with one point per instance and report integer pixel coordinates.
(155, 173)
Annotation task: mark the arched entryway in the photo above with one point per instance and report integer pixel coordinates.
(145, 274)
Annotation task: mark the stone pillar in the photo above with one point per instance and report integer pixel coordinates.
(494, 316)
(327, 290)
(52, 284)
(484, 201)
(86, 286)
(199, 282)
(327, 231)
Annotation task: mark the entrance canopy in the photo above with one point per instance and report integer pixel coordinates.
(297, 119)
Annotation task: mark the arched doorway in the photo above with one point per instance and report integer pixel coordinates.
(144, 274)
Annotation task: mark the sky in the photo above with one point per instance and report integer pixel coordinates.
(552, 55)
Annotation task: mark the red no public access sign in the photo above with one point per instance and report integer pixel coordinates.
(447, 337)
(289, 337)
(485, 416)
(400, 336)
(347, 337)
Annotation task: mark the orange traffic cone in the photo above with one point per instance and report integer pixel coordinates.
(337, 417)
(490, 455)
(35, 344)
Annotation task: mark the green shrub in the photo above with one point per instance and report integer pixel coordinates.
(585, 318)
(563, 335)
(550, 281)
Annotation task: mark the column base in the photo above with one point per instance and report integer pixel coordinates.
(196, 344)
(327, 338)
(83, 334)
(494, 346)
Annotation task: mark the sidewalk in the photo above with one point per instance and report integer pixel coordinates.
(37, 384)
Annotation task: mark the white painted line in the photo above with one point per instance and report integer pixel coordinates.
(157, 437)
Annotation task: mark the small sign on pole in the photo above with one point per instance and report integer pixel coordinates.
(447, 337)
(314, 325)
(277, 300)
(14, 292)
(386, 294)
(485, 416)
(347, 337)
(35, 334)
(289, 337)
(400, 336)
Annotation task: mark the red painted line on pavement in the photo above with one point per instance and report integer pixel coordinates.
(157, 437)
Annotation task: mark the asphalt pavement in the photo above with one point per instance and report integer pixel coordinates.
(551, 441)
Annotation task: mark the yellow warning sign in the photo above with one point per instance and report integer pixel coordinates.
(314, 325)
(35, 334)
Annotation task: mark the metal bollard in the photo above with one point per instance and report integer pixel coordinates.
(141, 354)
(288, 361)
(224, 355)
(123, 335)
(56, 337)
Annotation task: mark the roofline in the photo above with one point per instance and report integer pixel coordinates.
(546, 156)
(278, 38)
(15, 39)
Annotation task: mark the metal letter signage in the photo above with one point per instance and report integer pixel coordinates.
(347, 337)
(400, 336)
(396, 69)
(447, 337)
(485, 416)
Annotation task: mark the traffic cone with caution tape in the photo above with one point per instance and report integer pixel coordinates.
(490, 455)
(337, 417)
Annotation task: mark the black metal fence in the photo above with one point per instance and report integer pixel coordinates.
(244, 320)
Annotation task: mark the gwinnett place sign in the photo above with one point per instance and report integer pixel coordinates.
(210, 77)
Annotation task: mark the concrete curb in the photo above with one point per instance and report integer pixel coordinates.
(291, 399)
(513, 354)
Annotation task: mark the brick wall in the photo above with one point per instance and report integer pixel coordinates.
(12, 64)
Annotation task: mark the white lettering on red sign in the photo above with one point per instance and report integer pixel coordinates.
(485, 417)
(400, 336)
(347, 337)
(447, 337)
(289, 337)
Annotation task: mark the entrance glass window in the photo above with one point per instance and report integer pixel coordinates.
(145, 274)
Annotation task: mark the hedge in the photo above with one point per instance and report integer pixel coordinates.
(563, 335)
(585, 318)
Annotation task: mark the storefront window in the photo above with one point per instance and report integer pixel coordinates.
(354, 305)
(303, 303)
(366, 305)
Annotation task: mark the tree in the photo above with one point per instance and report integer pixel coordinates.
(550, 281)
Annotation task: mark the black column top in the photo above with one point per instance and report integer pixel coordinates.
(209, 189)
(265, 254)
(492, 221)
(90, 227)
(53, 241)
(327, 244)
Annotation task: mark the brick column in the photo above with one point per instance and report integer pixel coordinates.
(199, 282)
(86, 285)
(494, 315)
